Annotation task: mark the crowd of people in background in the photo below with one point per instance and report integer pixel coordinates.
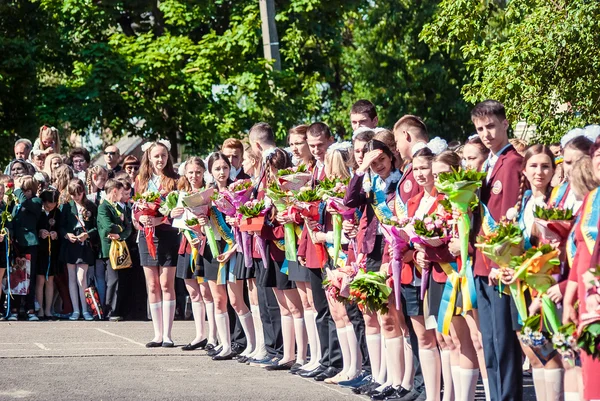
(61, 214)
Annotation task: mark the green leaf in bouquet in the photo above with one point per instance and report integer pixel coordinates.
(252, 211)
(192, 222)
(307, 195)
(552, 213)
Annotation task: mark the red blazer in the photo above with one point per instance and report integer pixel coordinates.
(499, 195)
(306, 249)
(435, 255)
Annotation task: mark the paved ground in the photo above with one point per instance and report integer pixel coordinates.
(108, 361)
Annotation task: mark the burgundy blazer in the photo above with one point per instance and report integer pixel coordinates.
(500, 194)
(306, 249)
(408, 186)
(435, 255)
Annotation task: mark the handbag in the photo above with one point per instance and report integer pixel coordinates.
(93, 301)
(20, 274)
(119, 255)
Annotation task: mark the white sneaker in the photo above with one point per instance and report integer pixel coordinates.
(13, 317)
(32, 317)
(87, 316)
(74, 316)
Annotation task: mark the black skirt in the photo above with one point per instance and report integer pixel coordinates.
(434, 296)
(373, 262)
(3, 253)
(166, 241)
(298, 273)
(184, 267)
(273, 277)
(411, 300)
(241, 272)
(77, 253)
(47, 262)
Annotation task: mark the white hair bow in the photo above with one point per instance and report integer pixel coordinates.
(163, 142)
(340, 146)
(437, 145)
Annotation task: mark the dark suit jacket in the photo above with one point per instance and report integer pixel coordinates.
(69, 220)
(499, 195)
(25, 220)
(408, 186)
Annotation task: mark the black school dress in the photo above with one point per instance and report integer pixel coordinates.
(48, 249)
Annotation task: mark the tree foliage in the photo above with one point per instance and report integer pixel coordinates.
(539, 57)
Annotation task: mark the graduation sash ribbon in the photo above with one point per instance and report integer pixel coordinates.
(488, 224)
(380, 206)
(189, 236)
(526, 236)
(226, 269)
(571, 246)
(559, 194)
(589, 219)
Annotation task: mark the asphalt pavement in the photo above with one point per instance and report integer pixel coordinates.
(109, 361)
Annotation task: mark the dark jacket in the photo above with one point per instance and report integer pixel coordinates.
(111, 220)
(25, 220)
(69, 220)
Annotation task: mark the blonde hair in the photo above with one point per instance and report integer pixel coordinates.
(52, 132)
(28, 183)
(48, 162)
(519, 144)
(61, 177)
(582, 177)
(184, 184)
(337, 164)
(96, 170)
(168, 178)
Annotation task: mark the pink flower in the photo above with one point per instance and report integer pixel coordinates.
(439, 223)
(430, 227)
(428, 220)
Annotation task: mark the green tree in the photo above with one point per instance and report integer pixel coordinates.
(539, 57)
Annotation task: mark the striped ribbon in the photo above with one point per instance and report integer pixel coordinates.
(226, 269)
(589, 219)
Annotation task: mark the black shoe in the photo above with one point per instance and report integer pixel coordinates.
(412, 395)
(209, 347)
(191, 347)
(223, 357)
(214, 351)
(283, 366)
(383, 394)
(365, 388)
(313, 373)
(326, 374)
(295, 369)
(236, 349)
(154, 344)
(168, 344)
(242, 359)
(399, 393)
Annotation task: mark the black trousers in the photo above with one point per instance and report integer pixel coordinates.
(331, 354)
(270, 317)
(502, 352)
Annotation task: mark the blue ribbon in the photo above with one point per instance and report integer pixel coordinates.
(284, 267)
(8, 290)
(526, 237)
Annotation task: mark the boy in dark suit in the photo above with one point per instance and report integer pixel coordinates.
(500, 191)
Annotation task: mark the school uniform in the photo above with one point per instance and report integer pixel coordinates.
(5, 244)
(76, 220)
(49, 249)
(500, 191)
(112, 220)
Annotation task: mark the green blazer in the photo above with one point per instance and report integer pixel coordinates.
(109, 222)
(25, 218)
(69, 220)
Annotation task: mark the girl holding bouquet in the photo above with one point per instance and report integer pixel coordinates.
(79, 229)
(217, 271)
(458, 344)
(377, 194)
(290, 305)
(538, 170)
(190, 270)
(158, 251)
(586, 256)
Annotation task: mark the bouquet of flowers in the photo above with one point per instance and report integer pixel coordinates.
(432, 230)
(283, 202)
(169, 203)
(370, 291)
(293, 179)
(553, 223)
(565, 342)
(241, 192)
(308, 202)
(536, 338)
(337, 283)
(147, 204)
(535, 268)
(502, 244)
(253, 219)
(333, 192)
(460, 188)
(398, 242)
(6, 216)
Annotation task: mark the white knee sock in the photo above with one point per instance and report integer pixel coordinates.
(260, 351)
(383, 377)
(168, 317)
(212, 326)
(355, 355)
(447, 375)
(374, 349)
(345, 348)
(248, 326)
(222, 320)
(572, 396)
(289, 339)
(468, 384)
(431, 366)
(157, 321)
(456, 383)
(313, 340)
(539, 383)
(409, 365)
(554, 384)
(395, 359)
(301, 340)
(198, 312)
(486, 389)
